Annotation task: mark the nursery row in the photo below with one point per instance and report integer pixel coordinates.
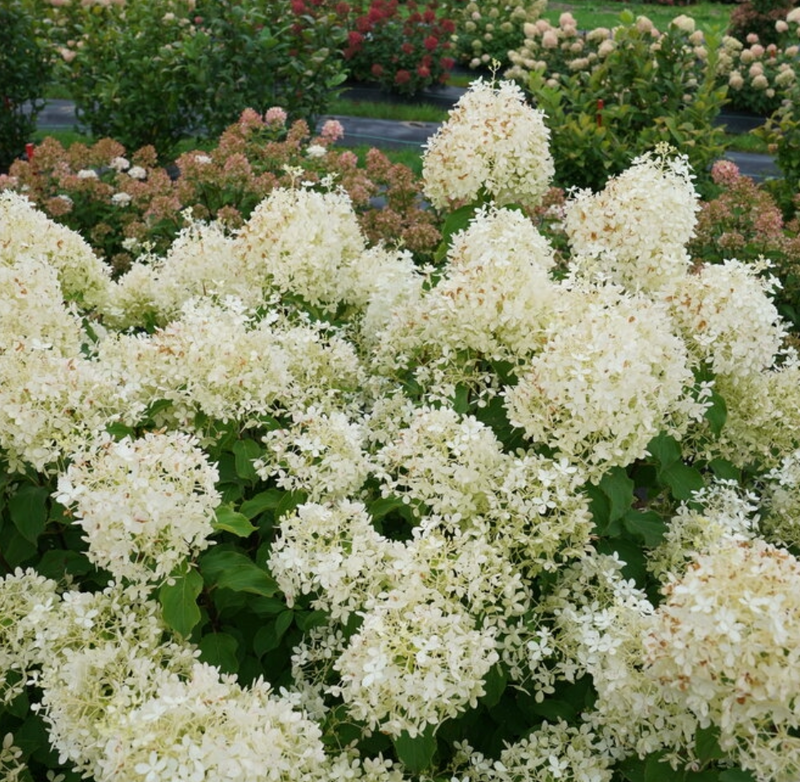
(154, 71)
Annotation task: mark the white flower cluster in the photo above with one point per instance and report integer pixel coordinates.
(417, 659)
(11, 766)
(727, 513)
(26, 231)
(781, 499)
(634, 231)
(710, 307)
(725, 647)
(492, 144)
(304, 243)
(320, 453)
(611, 376)
(144, 505)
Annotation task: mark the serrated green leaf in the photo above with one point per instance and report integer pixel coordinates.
(666, 450)
(179, 602)
(261, 502)
(646, 526)
(244, 452)
(28, 511)
(682, 480)
(494, 685)
(233, 570)
(220, 649)
(717, 413)
(416, 754)
(618, 488)
(228, 520)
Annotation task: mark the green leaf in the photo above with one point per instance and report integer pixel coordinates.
(245, 451)
(618, 488)
(682, 480)
(656, 770)
(28, 510)
(384, 506)
(220, 649)
(179, 602)
(722, 468)
(416, 754)
(56, 563)
(456, 221)
(261, 502)
(736, 775)
(717, 414)
(269, 636)
(228, 520)
(289, 501)
(232, 570)
(706, 745)
(666, 450)
(647, 526)
(494, 685)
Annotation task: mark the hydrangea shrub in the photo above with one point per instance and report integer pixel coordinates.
(284, 505)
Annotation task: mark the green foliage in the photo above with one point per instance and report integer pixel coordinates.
(155, 71)
(636, 96)
(24, 73)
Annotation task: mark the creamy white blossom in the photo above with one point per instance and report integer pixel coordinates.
(493, 143)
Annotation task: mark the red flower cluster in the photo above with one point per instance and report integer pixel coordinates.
(404, 47)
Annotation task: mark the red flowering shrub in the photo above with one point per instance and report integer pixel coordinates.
(403, 47)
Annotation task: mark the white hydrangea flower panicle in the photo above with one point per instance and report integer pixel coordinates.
(611, 377)
(709, 308)
(781, 502)
(494, 145)
(449, 463)
(33, 315)
(496, 293)
(52, 406)
(199, 263)
(598, 620)
(334, 552)
(24, 230)
(27, 604)
(321, 454)
(763, 416)
(719, 512)
(554, 752)
(635, 230)
(725, 646)
(417, 659)
(302, 242)
(144, 505)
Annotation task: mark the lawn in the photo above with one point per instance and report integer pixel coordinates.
(710, 17)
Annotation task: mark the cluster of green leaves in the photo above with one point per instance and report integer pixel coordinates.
(154, 72)
(24, 73)
(628, 102)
